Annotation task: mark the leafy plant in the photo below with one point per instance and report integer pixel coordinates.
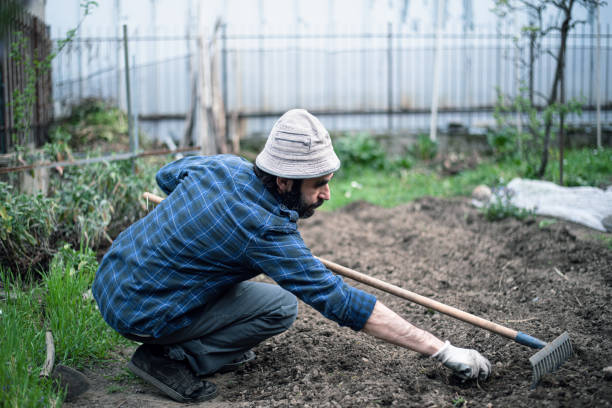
(424, 148)
(360, 150)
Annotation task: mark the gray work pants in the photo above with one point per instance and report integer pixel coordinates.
(224, 330)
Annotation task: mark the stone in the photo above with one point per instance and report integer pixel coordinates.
(482, 193)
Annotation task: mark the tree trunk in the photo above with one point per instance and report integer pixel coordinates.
(565, 27)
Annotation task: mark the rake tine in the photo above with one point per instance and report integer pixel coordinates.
(548, 359)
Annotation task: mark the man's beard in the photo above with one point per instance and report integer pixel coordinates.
(294, 201)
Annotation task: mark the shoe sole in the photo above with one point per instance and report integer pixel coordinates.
(228, 368)
(164, 388)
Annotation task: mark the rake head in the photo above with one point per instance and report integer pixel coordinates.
(550, 357)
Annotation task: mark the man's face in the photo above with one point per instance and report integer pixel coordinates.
(311, 194)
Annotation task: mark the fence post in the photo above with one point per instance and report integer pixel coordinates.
(433, 125)
(136, 111)
(127, 91)
(598, 77)
(80, 55)
(224, 79)
(390, 78)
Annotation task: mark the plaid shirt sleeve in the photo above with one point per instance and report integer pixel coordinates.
(282, 255)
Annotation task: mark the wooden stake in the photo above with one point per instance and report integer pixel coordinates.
(50, 359)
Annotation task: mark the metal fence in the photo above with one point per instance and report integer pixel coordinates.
(24, 117)
(378, 82)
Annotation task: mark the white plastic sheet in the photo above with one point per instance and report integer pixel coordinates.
(583, 205)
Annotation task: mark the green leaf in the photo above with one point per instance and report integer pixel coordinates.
(30, 238)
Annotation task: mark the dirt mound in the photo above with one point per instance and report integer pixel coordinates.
(540, 280)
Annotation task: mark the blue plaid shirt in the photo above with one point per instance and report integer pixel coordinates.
(218, 226)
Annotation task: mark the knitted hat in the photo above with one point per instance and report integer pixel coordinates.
(298, 147)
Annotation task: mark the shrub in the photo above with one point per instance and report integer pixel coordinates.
(360, 150)
(97, 199)
(27, 224)
(95, 122)
(91, 203)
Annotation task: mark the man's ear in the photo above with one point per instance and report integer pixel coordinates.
(283, 184)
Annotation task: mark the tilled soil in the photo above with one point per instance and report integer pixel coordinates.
(542, 280)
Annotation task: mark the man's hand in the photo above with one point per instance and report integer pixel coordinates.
(466, 363)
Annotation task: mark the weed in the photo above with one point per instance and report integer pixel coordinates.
(501, 207)
(429, 312)
(606, 240)
(458, 401)
(114, 388)
(546, 222)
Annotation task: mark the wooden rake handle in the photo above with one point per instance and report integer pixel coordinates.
(402, 293)
(418, 299)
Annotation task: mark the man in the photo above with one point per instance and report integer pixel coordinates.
(177, 280)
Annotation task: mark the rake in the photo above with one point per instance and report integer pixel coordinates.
(550, 356)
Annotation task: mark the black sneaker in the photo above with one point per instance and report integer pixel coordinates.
(234, 365)
(173, 378)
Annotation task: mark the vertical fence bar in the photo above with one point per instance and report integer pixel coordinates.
(389, 77)
(128, 91)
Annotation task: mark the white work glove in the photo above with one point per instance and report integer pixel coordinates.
(466, 363)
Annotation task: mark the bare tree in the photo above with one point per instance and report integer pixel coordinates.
(546, 17)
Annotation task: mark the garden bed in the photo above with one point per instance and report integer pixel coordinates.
(542, 278)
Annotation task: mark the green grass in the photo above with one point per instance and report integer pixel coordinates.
(57, 303)
(584, 167)
(22, 348)
(389, 188)
(392, 188)
(606, 240)
(80, 332)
